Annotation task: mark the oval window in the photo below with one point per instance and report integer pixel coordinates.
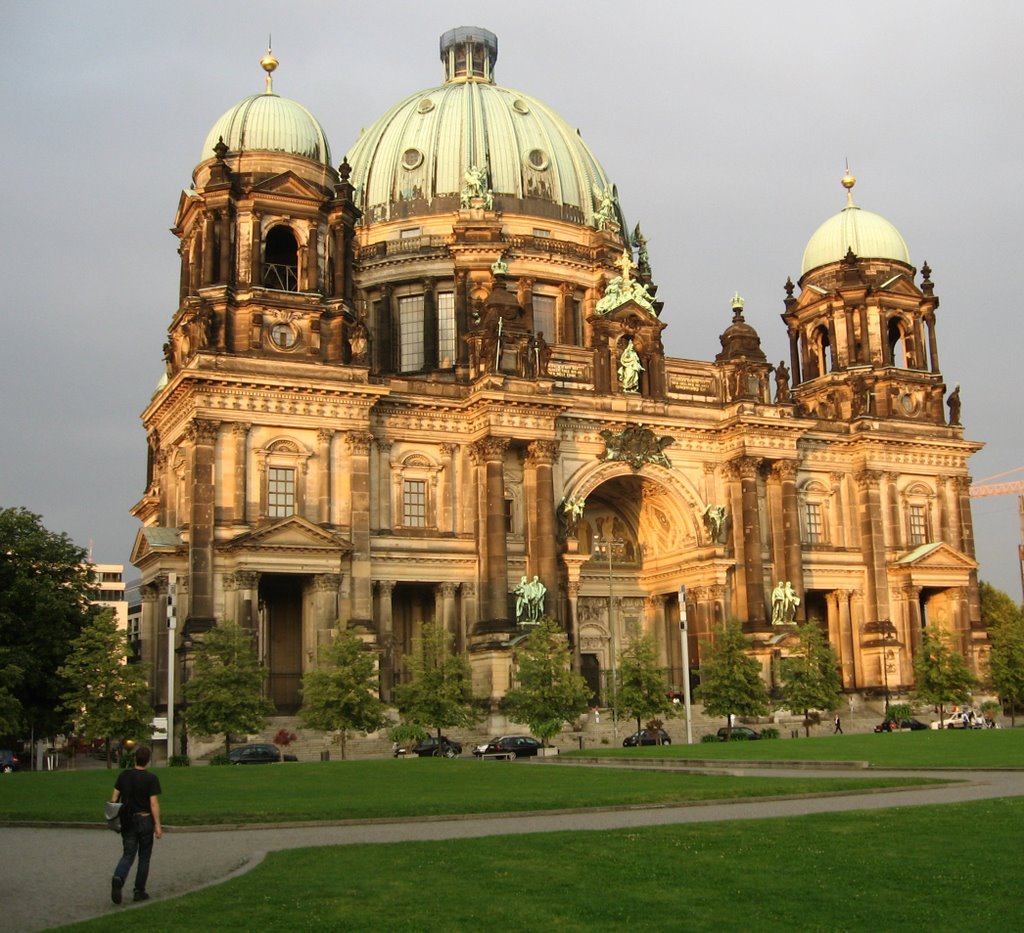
(426, 105)
(520, 106)
(283, 336)
(537, 159)
(412, 158)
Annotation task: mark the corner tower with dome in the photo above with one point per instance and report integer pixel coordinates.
(398, 389)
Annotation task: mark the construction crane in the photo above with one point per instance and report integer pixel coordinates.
(986, 488)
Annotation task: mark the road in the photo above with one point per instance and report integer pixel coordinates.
(56, 875)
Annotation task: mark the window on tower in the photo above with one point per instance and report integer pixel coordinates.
(280, 492)
(410, 333)
(446, 330)
(414, 503)
(544, 316)
(281, 260)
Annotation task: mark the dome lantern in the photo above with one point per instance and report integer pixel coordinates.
(469, 54)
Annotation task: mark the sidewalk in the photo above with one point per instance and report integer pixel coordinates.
(50, 877)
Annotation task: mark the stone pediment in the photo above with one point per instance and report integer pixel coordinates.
(935, 563)
(155, 540)
(633, 316)
(288, 534)
(290, 185)
(189, 201)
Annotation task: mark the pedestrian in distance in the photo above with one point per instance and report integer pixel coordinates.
(139, 792)
(839, 727)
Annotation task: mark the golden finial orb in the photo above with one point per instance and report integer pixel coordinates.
(848, 181)
(268, 63)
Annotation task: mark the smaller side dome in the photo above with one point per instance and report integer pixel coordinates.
(869, 235)
(269, 122)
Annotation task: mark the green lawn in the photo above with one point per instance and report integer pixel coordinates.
(913, 868)
(386, 789)
(996, 748)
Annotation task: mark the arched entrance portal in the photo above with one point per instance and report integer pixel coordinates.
(639, 539)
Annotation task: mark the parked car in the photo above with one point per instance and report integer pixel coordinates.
(895, 725)
(431, 748)
(259, 754)
(8, 761)
(962, 719)
(510, 746)
(738, 733)
(647, 737)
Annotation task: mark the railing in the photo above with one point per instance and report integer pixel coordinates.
(281, 276)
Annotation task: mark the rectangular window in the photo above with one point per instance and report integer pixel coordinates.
(280, 492)
(812, 515)
(918, 525)
(508, 517)
(410, 333)
(414, 503)
(541, 232)
(445, 329)
(544, 317)
(410, 233)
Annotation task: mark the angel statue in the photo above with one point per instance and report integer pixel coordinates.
(604, 216)
(714, 522)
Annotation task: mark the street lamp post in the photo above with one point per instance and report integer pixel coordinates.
(609, 544)
(684, 639)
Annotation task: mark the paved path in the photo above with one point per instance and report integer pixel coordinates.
(53, 876)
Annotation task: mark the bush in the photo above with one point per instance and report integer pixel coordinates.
(180, 761)
(898, 711)
(220, 759)
(770, 733)
(710, 737)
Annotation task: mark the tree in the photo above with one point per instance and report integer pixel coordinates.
(105, 696)
(340, 694)
(730, 680)
(438, 694)
(225, 692)
(547, 693)
(1005, 623)
(45, 587)
(941, 675)
(642, 692)
(810, 675)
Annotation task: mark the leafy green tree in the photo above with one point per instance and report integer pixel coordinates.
(941, 674)
(45, 587)
(438, 694)
(341, 693)
(730, 680)
(642, 691)
(547, 693)
(810, 675)
(106, 696)
(225, 691)
(1005, 623)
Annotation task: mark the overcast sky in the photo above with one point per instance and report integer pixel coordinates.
(725, 126)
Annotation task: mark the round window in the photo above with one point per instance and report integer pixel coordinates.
(907, 402)
(537, 159)
(412, 158)
(283, 336)
(520, 106)
(426, 105)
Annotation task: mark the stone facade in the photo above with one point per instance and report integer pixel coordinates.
(379, 416)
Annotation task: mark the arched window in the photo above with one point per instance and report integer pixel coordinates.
(897, 344)
(281, 260)
(821, 352)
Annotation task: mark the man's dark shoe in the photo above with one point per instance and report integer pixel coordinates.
(141, 896)
(115, 889)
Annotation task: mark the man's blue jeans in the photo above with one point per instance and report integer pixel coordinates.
(137, 839)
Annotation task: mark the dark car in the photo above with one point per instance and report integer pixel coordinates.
(647, 737)
(511, 746)
(261, 754)
(739, 733)
(8, 761)
(895, 725)
(430, 748)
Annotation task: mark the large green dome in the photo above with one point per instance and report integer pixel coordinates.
(420, 149)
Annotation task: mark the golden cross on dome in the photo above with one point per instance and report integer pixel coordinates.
(626, 264)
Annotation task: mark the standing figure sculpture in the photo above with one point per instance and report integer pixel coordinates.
(714, 522)
(784, 603)
(630, 369)
(782, 382)
(954, 405)
(529, 600)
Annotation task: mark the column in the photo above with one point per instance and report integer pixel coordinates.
(912, 597)
(794, 355)
(895, 525)
(384, 496)
(839, 537)
(311, 261)
(152, 634)
(857, 620)
(869, 504)
(943, 508)
(574, 623)
(933, 344)
(240, 436)
(208, 251)
(753, 564)
(733, 491)
(247, 597)
(461, 315)
(468, 611)
(323, 511)
(202, 439)
(447, 519)
(490, 454)
(359, 464)
(786, 471)
(962, 487)
(386, 638)
(447, 615)
(224, 262)
(542, 540)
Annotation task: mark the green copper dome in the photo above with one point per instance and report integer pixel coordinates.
(269, 122)
(870, 236)
(419, 150)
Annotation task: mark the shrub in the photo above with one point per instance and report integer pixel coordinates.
(710, 737)
(770, 733)
(220, 759)
(898, 711)
(180, 761)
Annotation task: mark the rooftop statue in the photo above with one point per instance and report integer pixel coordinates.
(475, 192)
(630, 369)
(622, 288)
(605, 215)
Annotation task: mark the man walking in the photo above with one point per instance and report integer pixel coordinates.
(138, 790)
(839, 727)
